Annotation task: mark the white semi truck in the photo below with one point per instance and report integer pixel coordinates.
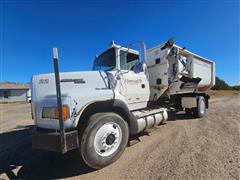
(127, 92)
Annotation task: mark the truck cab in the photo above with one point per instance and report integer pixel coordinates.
(127, 75)
(117, 75)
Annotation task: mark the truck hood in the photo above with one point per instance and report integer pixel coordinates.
(79, 83)
(77, 89)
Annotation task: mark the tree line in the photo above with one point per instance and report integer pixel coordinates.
(222, 85)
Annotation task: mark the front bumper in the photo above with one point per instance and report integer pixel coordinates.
(51, 141)
(54, 124)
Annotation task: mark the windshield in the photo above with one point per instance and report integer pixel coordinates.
(106, 61)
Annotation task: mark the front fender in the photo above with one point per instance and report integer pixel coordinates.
(118, 106)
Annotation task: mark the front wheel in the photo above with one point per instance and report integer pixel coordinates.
(104, 139)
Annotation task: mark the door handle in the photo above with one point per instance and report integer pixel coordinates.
(143, 85)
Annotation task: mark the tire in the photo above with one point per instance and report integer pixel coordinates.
(104, 139)
(200, 110)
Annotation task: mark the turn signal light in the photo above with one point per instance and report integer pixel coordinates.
(52, 112)
(65, 113)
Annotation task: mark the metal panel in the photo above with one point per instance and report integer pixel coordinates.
(189, 102)
(203, 70)
(52, 141)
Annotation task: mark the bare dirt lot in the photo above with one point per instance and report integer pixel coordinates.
(184, 148)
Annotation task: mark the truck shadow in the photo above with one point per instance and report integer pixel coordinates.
(178, 116)
(19, 161)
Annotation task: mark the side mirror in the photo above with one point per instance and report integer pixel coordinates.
(140, 67)
(137, 68)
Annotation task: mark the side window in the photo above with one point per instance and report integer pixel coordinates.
(128, 60)
(123, 60)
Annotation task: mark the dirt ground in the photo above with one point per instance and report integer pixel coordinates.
(221, 93)
(184, 148)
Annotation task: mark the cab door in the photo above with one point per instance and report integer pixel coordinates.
(133, 79)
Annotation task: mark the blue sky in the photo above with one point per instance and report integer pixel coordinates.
(29, 29)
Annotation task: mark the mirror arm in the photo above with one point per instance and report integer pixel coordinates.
(144, 51)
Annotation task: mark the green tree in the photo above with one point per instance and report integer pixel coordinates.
(221, 85)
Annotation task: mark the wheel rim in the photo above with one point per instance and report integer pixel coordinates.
(107, 139)
(202, 107)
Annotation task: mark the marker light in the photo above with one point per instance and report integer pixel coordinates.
(52, 112)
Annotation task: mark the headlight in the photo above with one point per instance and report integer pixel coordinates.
(52, 112)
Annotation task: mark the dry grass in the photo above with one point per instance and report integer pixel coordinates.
(221, 93)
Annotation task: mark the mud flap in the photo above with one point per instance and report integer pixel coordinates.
(52, 141)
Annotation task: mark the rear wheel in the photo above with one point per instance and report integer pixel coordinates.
(200, 110)
(104, 139)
